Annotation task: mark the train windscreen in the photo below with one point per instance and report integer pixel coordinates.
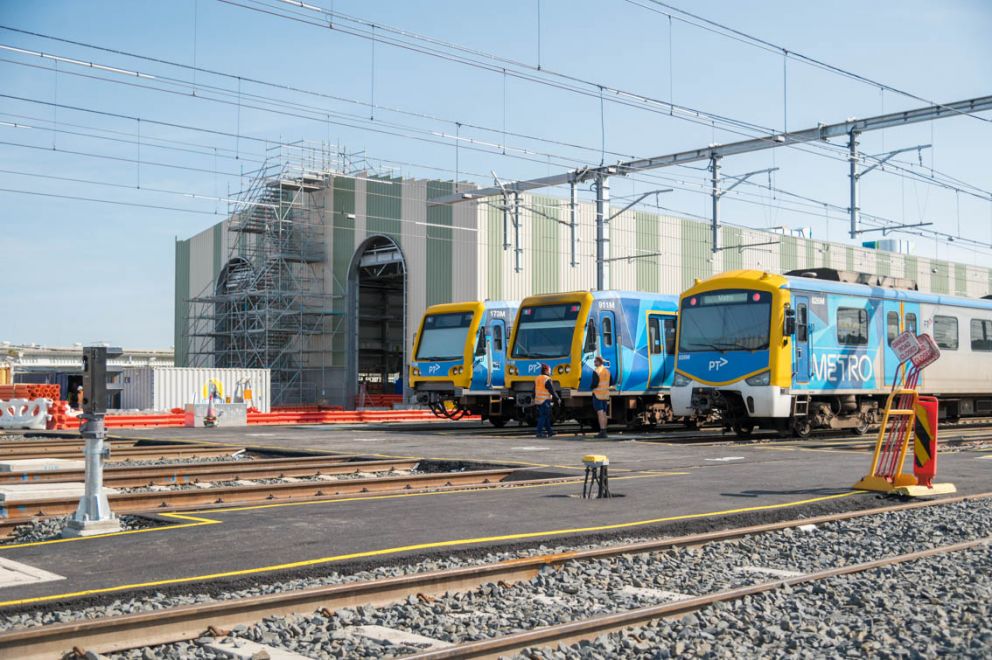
(725, 321)
(443, 337)
(545, 331)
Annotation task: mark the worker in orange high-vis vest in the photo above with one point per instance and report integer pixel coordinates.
(601, 393)
(544, 394)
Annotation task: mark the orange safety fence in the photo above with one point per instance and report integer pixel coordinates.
(61, 420)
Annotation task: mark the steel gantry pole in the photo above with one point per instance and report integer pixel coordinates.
(573, 204)
(715, 194)
(602, 242)
(852, 145)
(516, 233)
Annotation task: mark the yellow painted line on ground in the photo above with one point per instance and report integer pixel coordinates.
(775, 448)
(194, 522)
(419, 546)
(197, 521)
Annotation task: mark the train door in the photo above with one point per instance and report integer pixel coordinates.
(497, 351)
(608, 341)
(661, 349)
(897, 318)
(893, 321)
(801, 355)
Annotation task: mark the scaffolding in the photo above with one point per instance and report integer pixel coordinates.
(268, 306)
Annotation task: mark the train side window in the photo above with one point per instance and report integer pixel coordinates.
(911, 322)
(852, 326)
(802, 322)
(892, 326)
(654, 335)
(981, 335)
(607, 331)
(498, 337)
(669, 335)
(945, 332)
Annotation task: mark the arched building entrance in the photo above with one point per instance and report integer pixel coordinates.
(376, 318)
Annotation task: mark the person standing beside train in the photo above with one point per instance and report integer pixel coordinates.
(544, 394)
(601, 394)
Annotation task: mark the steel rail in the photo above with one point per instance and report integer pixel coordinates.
(138, 453)
(188, 473)
(577, 631)
(61, 442)
(191, 621)
(23, 511)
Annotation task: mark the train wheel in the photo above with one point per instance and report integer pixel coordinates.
(743, 429)
(691, 423)
(498, 422)
(862, 426)
(802, 427)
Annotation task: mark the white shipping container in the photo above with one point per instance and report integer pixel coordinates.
(164, 388)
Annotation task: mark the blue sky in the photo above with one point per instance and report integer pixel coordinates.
(84, 271)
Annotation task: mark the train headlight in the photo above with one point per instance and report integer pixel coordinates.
(764, 378)
(512, 370)
(680, 380)
(415, 370)
(568, 369)
(560, 369)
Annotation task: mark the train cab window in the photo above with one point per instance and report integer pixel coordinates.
(669, 335)
(981, 335)
(654, 335)
(852, 326)
(911, 322)
(497, 338)
(892, 326)
(607, 331)
(945, 332)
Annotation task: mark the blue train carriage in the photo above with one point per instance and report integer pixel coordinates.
(459, 357)
(633, 332)
(812, 349)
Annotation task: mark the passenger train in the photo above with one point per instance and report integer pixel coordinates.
(633, 332)
(459, 358)
(812, 349)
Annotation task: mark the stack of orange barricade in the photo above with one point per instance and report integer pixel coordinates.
(17, 391)
(59, 415)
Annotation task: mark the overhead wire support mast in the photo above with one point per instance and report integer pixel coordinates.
(855, 180)
(717, 193)
(850, 129)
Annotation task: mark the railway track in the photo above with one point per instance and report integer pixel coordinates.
(192, 621)
(134, 453)
(17, 513)
(588, 629)
(179, 474)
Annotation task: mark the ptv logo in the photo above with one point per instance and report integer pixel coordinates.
(716, 364)
(434, 368)
(533, 368)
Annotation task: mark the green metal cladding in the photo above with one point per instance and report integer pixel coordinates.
(439, 244)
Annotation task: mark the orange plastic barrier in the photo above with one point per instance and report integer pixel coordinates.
(62, 421)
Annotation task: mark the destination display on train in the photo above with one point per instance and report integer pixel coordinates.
(723, 298)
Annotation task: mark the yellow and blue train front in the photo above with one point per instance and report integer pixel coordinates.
(443, 351)
(733, 356)
(548, 330)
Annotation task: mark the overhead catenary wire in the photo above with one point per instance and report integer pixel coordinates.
(838, 150)
(504, 145)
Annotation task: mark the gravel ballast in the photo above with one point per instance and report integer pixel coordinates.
(578, 590)
(927, 608)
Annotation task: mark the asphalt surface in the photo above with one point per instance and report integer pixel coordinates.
(662, 487)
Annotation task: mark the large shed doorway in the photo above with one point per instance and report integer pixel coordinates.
(376, 320)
